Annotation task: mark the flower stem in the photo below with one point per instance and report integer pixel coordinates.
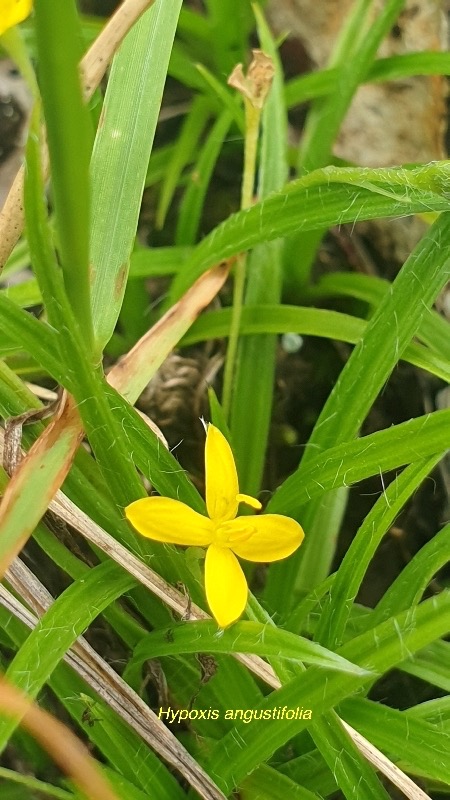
(252, 122)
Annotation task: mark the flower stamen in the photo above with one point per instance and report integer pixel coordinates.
(229, 534)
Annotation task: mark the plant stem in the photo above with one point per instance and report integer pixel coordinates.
(252, 122)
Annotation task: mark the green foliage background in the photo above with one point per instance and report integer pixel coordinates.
(327, 650)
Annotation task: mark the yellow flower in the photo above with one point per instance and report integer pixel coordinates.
(269, 537)
(12, 12)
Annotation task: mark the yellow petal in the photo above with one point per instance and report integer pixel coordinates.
(273, 537)
(249, 501)
(12, 12)
(226, 587)
(221, 477)
(169, 521)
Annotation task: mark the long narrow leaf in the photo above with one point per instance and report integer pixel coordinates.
(336, 611)
(311, 203)
(243, 637)
(59, 628)
(381, 649)
(389, 331)
(318, 322)
(121, 154)
(69, 140)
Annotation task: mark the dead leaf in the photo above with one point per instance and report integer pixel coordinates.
(254, 86)
(64, 747)
(37, 479)
(132, 373)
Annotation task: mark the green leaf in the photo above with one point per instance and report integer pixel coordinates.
(270, 783)
(326, 197)
(101, 426)
(38, 338)
(325, 81)
(416, 743)
(183, 151)
(408, 588)
(355, 460)
(351, 768)
(264, 319)
(58, 629)
(244, 748)
(434, 328)
(114, 739)
(242, 637)
(310, 770)
(390, 330)
(121, 154)
(69, 138)
(217, 415)
(155, 462)
(224, 98)
(431, 665)
(347, 581)
(194, 196)
(436, 711)
(25, 294)
(149, 261)
(182, 69)
(230, 23)
(33, 784)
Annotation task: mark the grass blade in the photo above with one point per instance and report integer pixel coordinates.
(121, 154)
(314, 202)
(388, 333)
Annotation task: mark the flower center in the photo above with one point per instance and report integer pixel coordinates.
(229, 533)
